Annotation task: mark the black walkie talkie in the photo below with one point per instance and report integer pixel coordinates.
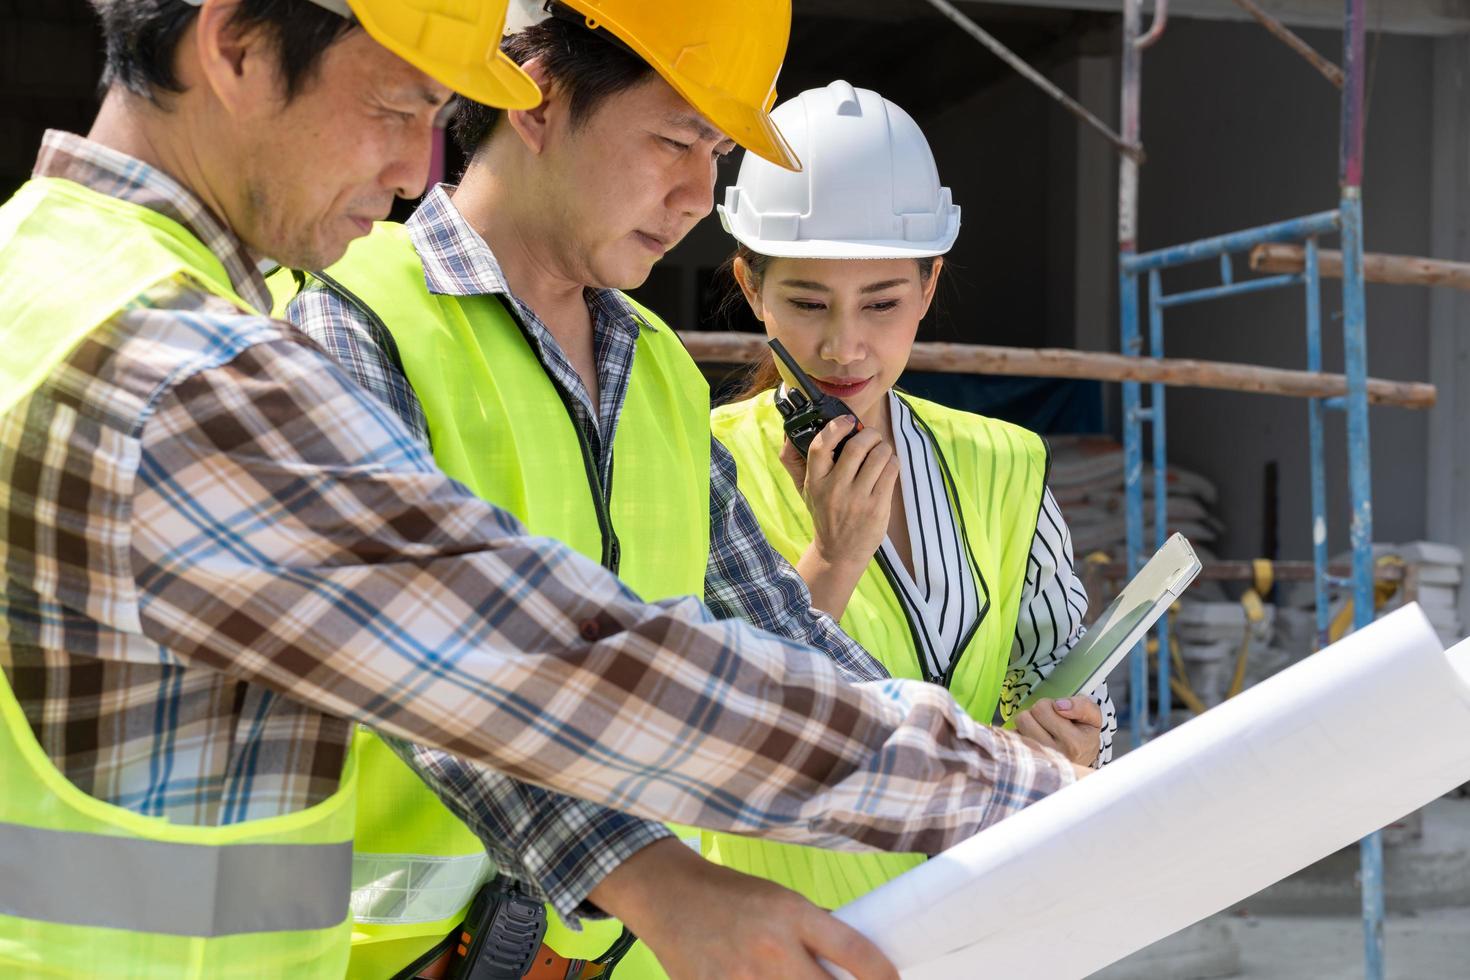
(806, 410)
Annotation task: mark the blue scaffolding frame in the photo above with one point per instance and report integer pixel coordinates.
(1347, 223)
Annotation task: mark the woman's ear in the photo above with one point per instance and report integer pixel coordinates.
(533, 125)
(745, 276)
(931, 285)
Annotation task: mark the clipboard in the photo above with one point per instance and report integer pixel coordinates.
(1117, 631)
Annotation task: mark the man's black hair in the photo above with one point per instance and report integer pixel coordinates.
(142, 40)
(587, 66)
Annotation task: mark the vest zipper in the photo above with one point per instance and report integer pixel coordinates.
(886, 568)
(612, 550)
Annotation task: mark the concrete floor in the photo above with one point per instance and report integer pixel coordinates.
(1307, 927)
(1433, 945)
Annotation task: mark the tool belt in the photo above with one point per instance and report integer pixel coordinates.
(500, 939)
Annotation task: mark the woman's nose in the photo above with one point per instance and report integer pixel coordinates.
(841, 346)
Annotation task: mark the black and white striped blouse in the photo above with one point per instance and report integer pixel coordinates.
(941, 595)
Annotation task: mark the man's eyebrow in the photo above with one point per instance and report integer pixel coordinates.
(435, 96)
(691, 120)
(432, 96)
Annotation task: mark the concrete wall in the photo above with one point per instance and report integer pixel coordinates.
(1240, 132)
(50, 59)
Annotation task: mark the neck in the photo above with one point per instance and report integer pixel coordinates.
(876, 417)
(493, 200)
(157, 137)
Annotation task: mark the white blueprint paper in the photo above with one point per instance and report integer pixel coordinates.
(1329, 750)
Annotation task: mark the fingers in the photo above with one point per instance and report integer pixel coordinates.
(842, 945)
(857, 451)
(1026, 724)
(794, 463)
(1076, 740)
(819, 460)
(879, 465)
(1083, 711)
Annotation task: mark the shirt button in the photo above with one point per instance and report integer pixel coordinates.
(590, 630)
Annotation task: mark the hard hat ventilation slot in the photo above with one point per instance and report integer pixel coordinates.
(845, 98)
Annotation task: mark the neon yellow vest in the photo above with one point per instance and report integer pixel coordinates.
(88, 888)
(498, 424)
(996, 474)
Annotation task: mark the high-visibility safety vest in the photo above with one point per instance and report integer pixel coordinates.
(499, 424)
(88, 888)
(995, 475)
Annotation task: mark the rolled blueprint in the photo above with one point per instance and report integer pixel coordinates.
(1329, 750)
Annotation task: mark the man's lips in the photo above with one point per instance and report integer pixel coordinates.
(841, 387)
(652, 242)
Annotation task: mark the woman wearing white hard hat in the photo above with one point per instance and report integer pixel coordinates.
(931, 536)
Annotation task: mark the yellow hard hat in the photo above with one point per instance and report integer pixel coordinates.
(455, 42)
(722, 56)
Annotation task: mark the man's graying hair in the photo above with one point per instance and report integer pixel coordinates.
(142, 40)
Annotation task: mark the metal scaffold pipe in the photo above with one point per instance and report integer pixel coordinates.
(1292, 40)
(1129, 148)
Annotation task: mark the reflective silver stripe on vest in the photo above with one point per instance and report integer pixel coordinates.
(174, 889)
(400, 889)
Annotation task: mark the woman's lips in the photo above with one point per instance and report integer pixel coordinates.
(841, 387)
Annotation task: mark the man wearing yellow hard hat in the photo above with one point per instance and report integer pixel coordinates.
(219, 553)
(493, 324)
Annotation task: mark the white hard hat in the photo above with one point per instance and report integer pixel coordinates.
(868, 189)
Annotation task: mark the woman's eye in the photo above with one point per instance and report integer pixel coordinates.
(883, 306)
(802, 304)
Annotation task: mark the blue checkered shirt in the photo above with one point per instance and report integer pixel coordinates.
(745, 578)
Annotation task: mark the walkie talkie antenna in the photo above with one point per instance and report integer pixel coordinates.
(812, 391)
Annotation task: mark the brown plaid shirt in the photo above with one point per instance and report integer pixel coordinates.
(219, 551)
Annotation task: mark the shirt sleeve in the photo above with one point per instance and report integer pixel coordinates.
(363, 347)
(748, 579)
(288, 531)
(559, 848)
(1049, 624)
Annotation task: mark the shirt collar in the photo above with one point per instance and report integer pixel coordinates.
(111, 172)
(458, 262)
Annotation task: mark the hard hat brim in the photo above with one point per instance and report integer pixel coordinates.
(498, 81)
(820, 248)
(751, 128)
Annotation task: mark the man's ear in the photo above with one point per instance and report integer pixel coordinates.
(240, 65)
(534, 125)
(745, 277)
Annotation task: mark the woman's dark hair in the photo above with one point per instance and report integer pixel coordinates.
(141, 38)
(587, 65)
(761, 374)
